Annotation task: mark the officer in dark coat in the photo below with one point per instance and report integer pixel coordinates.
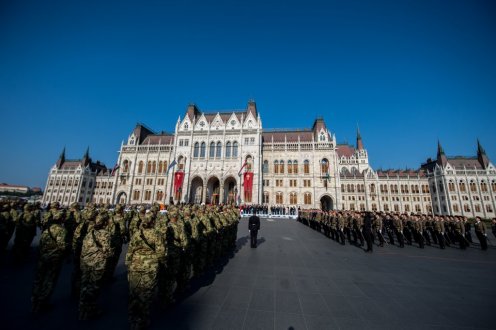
(367, 231)
(254, 227)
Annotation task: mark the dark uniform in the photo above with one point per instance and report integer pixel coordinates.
(254, 227)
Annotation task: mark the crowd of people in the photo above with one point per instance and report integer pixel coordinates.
(165, 249)
(266, 210)
(393, 228)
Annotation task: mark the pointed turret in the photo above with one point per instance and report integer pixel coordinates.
(441, 156)
(61, 159)
(359, 142)
(252, 107)
(86, 157)
(481, 155)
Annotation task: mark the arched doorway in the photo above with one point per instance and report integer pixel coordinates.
(121, 198)
(196, 191)
(230, 191)
(213, 191)
(326, 203)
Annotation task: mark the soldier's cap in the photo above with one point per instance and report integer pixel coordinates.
(119, 207)
(55, 205)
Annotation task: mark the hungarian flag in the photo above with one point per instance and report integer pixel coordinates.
(178, 181)
(171, 165)
(248, 182)
(116, 167)
(242, 167)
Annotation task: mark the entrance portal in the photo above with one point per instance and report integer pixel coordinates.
(213, 191)
(326, 203)
(230, 191)
(196, 193)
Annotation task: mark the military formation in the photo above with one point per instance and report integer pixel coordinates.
(166, 249)
(359, 228)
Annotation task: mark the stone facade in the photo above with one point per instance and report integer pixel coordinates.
(212, 154)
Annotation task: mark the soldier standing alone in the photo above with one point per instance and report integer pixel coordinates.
(254, 227)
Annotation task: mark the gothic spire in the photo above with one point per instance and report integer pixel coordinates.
(441, 156)
(481, 155)
(359, 142)
(61, 159)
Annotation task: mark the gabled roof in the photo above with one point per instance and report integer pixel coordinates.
(156, 139)
(141, 132)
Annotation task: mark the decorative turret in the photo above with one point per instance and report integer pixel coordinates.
(192, 111)
(252, 108)
(61, 159)
(481, 155)
(86, 157)
(359, 143)
(441, 157)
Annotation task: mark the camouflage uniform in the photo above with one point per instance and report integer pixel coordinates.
(25, 232)
(53, 247)
(117, 228)
(95, 252)
(7, 227)
(145, 256)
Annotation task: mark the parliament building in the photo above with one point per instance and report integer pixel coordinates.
(228, 157)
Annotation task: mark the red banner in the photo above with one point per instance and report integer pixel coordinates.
(248, 181)
(178, 181)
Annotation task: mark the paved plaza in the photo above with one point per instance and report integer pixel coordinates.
(295, 279)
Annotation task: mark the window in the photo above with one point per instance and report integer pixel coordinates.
(461, 186)
(451, 186)
(386, 208)
(218, 151)
(372, 189)
(281, 167)
(473, 186)
(307, 198)
(466, 208)
(396, 208)
(149, 182)
(293, 199)
(279, 183)
(489, 208)
(148, 195)
(136, 195)
(279, 198)
(154, 167)
(292, 183)
(196, 150)
(252, 140)
(265, 167)
(266, 197)
(235, 149)
(149, 167)
(306, 167)
(160, 167)
(407, 208)
(455, 208)
(493, 185)
(324, 166)
(276, 167)
(202, 150)
(343, 189)
(425, 189)
(290, 167)
(306, 183)
(140, 167)
(211, 150)
(483, 186)
(137, 181)
(228, 149)
(477, 208)
(295, 167)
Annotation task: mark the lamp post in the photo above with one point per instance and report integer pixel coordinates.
(235, 195)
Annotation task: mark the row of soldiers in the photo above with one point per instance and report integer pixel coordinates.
(166, 250)
(419, 228)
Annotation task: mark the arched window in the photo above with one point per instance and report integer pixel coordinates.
(160, 167)
(307, 198)
(281, 166)
(228, 149)
(164, 169)
(266, 197)
(154, 167)
(483, 186)
(306, 167)
(462, 186)
(235, 149)
(149, 167)
(140, 167)
(211, 150)
(343, 188)
(279, 199)
(295, 167)
(218, 151)
(265, 168)
(451, 186)
(290, 167)
(293, 199)
(276, 167)
(160, 195)
(493, 185)
(324, 166)
(196, 150)
(372, 188)
(125, 166)
(473, 186)
(203, 147)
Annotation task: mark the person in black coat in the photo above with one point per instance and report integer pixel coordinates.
(367, 231)
(254, 227)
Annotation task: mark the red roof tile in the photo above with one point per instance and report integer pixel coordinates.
(345, 150)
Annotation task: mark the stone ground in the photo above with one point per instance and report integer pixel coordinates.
(295, 279)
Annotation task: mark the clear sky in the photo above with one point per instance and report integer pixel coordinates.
(82, 73)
